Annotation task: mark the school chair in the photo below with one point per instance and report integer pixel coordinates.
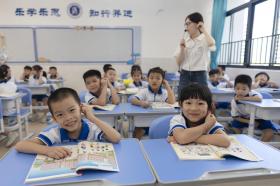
(82, 95)
(124, 75)
(159, 127)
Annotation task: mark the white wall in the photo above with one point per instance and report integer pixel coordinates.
(161, 23)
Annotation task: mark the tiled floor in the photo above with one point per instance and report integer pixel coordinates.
(33, 127)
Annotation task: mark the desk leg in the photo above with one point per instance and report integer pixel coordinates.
(252, 121)
(131, 126)
(18, 100)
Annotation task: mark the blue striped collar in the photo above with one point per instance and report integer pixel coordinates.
(158, 92)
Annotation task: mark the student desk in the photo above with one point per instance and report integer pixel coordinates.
(56, 83)
(39, 89)
(222, 95)
(134, 169)
(268, 109)
(142, 117)
(169, 170)
(275, 92)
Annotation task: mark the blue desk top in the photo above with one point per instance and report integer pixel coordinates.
(169, 169)
(134, 169)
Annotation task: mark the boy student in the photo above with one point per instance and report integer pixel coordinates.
(53, 74)
(65, 107)
(100, 91)
(111, 75)
(243, 92)
(223, 75)
(214, 80)
(26, 73)
(262, 81)
(154, 93)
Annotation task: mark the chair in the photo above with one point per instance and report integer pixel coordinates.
(124, 75)
(82, 95)
(1, 118)
(159, 127)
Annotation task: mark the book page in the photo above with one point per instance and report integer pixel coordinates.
(236, 149)
(108, 107)
(96, 155)
(195, 152)
(161, 105)
(129, 91)
(44, 168)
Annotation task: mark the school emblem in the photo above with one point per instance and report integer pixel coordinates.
(74, 10)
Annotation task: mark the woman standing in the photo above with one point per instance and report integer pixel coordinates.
(192, 54)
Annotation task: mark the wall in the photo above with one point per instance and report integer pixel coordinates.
(161, 24)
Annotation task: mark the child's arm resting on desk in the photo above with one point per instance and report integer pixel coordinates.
(110, 133)
(171, 97)
(114, 94)
(255, 98)
(219, 139)
(36, 146)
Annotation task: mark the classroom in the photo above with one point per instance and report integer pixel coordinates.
(130, 92)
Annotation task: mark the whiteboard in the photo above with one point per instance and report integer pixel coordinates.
(72, 45)
(19, 44)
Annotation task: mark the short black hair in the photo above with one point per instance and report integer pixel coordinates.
(27, 67)
(213, 72)
(223, 67)
(53, 67)
(60, 94)
(4, 71)
(135, 68)
(157, 70)
(106, 66)
(91, 73)
(197, 91)
(243, 79)
(37, 67)
(110, 68)
(195, 17)
(262, 73)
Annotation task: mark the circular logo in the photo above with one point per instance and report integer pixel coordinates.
(74, 10)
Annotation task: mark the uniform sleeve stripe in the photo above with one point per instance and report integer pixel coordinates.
(45, 139)
(213, 130)
(137, 97)
(170, 132)
(100, 135)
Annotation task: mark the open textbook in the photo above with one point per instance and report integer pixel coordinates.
(164, 105)
(85, 155)
(211, 152)
(108, 107)
(129, 91)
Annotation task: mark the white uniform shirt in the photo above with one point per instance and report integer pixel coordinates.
(147, 94)
(57, 135)
(8, 89)
(178, 121)
(142, 84)
(90, 97)
(239, 109)
(33, 81)
(196, 54)
(219, 85)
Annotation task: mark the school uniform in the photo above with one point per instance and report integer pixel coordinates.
(238, 109)
(117, 84)
(140, 84)
(180, 121)
(7, 89)
(35, 81)
(213, 85)
(92, 97)
(89, 132)
(147, 94)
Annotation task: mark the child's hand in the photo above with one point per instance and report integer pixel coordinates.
(171, 139)
(165, 83)
(209, 121)
(104, 82)
(182, 44)
(58, 152)
(145, 104)
(86, 110)
(238, 98)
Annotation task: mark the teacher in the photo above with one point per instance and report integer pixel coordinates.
(192, 53)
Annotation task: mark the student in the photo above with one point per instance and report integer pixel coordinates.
(3, 52)
(111, 75)
(9, 77)
(37, 78)
(26, 73)
(136, 74)
(192, 53)
(105, 68)
(7, 88)
(153, 93)
(243, 92)
(214, 80)
(65, 107)
(262, 81)
(196, 123)
(223, 75)
(53, 74)
(100, 91)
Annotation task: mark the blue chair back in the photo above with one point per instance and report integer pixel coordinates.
(169, 76)
(1, 109)
(266, 95)
(159, 127)
(27, 98)
(1, 117)
(82, 95)
(124, 75)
